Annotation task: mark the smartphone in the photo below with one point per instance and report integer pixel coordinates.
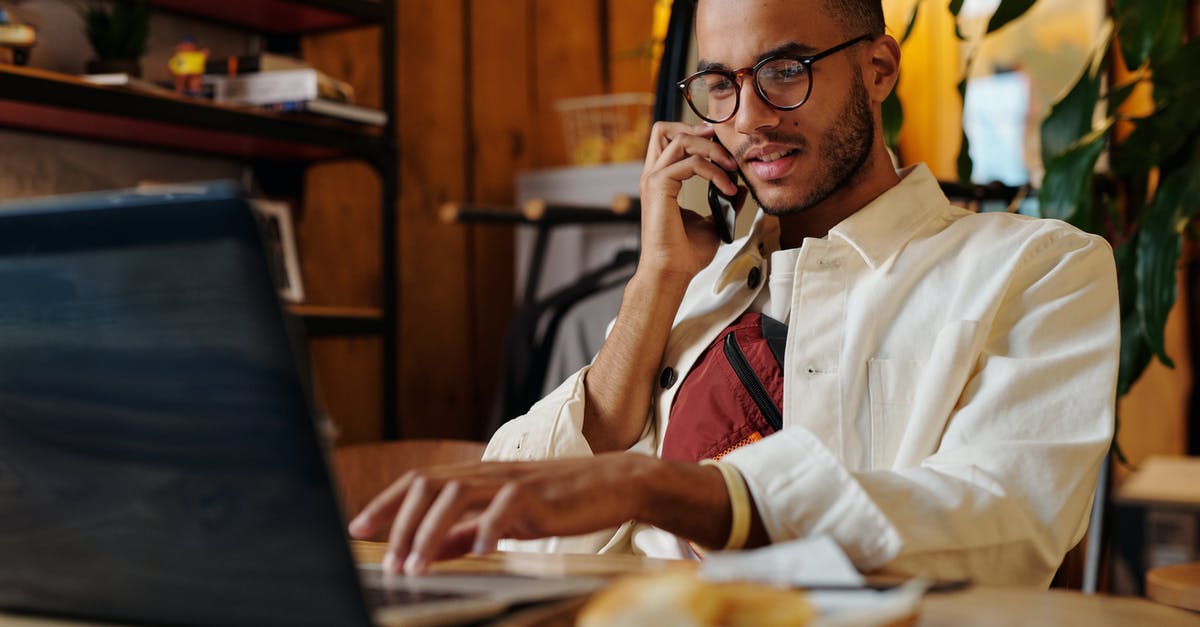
(724, 211)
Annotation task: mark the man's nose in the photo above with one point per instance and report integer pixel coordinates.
(753, 113)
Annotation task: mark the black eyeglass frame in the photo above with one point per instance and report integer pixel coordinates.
(735, 77)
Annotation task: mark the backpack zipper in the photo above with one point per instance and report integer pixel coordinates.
(750, 381)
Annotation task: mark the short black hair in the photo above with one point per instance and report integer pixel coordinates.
(858, 17)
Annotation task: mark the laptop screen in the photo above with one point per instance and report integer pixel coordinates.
(158, 457)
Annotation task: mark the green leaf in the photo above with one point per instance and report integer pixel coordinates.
(119, 31)
(1142, 24)
(1008, 11)
(1119, 94)
(1135, 354)
(1071, 117)
(1158, 248)
(1157, 138)
(1066, 192)
(912, 21)
(1175, 76)
(893, 120)
(955, 7)
(965, 165)
(1189, 194)
(1172, 36)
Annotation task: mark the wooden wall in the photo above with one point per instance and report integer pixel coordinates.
(476, 84)
(477, 81)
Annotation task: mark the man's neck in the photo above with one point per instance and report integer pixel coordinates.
(874, 178)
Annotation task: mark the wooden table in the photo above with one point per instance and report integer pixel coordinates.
(1177, 585)
(985, 606)
(978, 606)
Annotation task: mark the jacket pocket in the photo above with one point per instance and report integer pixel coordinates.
(912, 401)
(891, 385)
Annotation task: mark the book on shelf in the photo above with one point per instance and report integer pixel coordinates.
(273, 87)
(121, 79)
(334, 109)
(251, 63)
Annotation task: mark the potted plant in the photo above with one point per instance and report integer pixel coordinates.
(1143, 201)
(117, 32)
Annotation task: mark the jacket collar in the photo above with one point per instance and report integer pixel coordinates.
(882, 227)
(876, 232)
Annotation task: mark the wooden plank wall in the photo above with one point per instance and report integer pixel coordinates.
(477, 80)
(337, 233)
(477, 83)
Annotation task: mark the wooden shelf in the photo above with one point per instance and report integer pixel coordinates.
(333, 320)
(65, 105)
(282, 17)
(331, 311)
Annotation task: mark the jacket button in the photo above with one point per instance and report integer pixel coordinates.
(755, 277)
(667, 379)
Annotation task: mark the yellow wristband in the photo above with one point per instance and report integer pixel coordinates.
(739, 503)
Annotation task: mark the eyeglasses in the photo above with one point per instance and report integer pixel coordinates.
(783, 82)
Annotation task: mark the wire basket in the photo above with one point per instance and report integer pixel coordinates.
(612, 128)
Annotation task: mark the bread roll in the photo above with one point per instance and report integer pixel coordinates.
(679, 598)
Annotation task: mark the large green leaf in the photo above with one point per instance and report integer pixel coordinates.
(1071, 117)
(1066, 192)
(965, 166)
(1135, 352)
(1141, 24)
(1172, 35)
(912, 22)
(1118, 95)
(1189, 195)
(1008, 11)
(893, 119)
(1158, 248)
(1175, 78)
(1158, 138)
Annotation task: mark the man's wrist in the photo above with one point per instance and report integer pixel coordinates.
(662, 282)
(686, 499)
(739, 502)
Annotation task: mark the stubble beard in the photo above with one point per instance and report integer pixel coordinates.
(845, 148)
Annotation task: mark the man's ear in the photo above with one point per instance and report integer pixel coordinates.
(883, 67)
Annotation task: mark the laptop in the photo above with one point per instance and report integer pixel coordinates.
(160, 461)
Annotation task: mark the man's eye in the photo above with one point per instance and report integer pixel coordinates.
(783, 73)
(721, 86)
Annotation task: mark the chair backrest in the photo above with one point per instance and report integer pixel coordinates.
(362, 471)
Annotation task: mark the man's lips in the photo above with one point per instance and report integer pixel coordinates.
(771, 162)
(766, 152)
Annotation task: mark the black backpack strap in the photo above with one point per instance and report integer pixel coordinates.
(775, 333)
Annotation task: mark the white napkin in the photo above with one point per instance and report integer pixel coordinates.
(816, 561)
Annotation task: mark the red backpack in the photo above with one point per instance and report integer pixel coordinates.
(733, 395)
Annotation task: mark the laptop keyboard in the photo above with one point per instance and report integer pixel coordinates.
(377, 597)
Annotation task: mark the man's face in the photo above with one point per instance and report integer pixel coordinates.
(791, 160)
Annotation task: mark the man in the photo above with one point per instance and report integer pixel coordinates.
(949, 377)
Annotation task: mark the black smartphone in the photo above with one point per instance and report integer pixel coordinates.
(724, 211)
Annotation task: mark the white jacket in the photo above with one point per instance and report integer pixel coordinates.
(950, 382)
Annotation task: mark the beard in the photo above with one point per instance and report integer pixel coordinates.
(844, 150)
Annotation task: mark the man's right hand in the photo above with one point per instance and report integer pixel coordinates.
(676, 245)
